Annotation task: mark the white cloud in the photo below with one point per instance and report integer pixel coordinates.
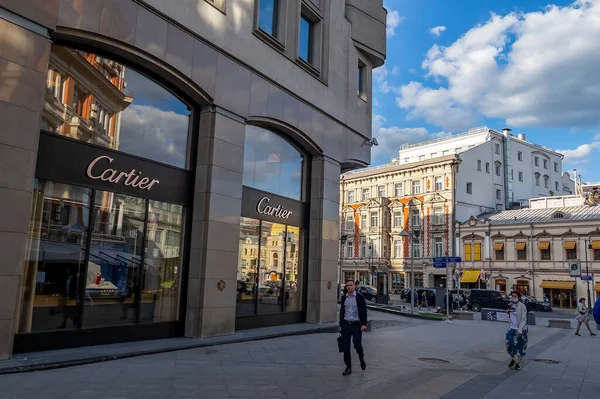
(535, 69)
(380, 77)
(395, 71)
(391, 138)
(579, 154)
(393, 20)
(437, 30)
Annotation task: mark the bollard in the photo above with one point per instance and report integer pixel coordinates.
(531, 318)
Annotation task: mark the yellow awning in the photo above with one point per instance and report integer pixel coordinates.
(597, 287)
(544, 245)
(595, 244)
(570, 244)
(498, 246)
(520, 246)
(561, 285)
(470, 276)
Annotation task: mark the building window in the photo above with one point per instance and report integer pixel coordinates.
(398, 189)
(349, 222)
(350, 249)
(499, 250)
(556, 166)
(546, 179)
(365, 194)
(272, 164)
(416, 248)
(520, 176)
(596, 254)
(556, 186)
(438, 183)
(479, 164)
(438, 246)
(363, 248)
(536, 161)
(268, 16)
(438, 215)
(361, 81)
(374, 219)
(381, 191)
(306, 40)
(537, 180)
(416, 187)
(498, 166)
(521, 248)
(545, 164)
(397, 219)
(398, 249)
(487, 167)
(571, 248)
(498, 194)
(351, 196)
(497, 148)
(467, 252)
(520, 156)
(544, 248)
(469, 188)
(415, 218)
(363, 221)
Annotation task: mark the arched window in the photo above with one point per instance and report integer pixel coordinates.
(272, 164)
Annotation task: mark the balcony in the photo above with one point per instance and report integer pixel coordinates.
(368, 19)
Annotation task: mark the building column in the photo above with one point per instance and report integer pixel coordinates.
(323, 242)
(212, 279)
(23, 65)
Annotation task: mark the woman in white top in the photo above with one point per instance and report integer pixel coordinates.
(516, 336)
(582, 317)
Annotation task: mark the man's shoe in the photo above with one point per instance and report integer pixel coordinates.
(363, 365)
(512, 363)
(518, 367)
(348, 371)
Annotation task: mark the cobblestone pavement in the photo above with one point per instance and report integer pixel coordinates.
(407, 358)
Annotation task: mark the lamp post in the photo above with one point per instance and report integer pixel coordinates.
(408, 234)
(343, 239)
(587, 272)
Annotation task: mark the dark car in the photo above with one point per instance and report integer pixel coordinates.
(534, 304)
(492, 299)
(368, 292)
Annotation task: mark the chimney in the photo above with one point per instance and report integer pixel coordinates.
(506, 131)
(522, 136)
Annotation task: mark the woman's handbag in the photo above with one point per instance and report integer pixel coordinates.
(340, 341)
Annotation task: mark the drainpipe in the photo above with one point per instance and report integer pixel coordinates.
(342, 221)
(532, 263)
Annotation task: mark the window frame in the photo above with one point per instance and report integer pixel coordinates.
(441, 183)
(416, 184)
(366, 191)
(350, 196)
(400, 192)
(218, 4)
(310, 12)
(469, 188)
(398, 219)
(381, 191)
(520, 156)
(374, 218)
(361, 80)
(278, 40)
(479, 165)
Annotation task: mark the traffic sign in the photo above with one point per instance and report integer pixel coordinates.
(439, 259)
(449, 259)
(439, 265)
(454, 259)
(586, 278)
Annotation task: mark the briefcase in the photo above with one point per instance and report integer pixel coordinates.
(340, 341)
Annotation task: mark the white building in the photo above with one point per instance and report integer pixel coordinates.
(498, 171)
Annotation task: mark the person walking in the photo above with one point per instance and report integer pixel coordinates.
(516, 336)
(424, 301)
(582, 317)
(353, 321)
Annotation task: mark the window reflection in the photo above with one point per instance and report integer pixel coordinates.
(293, 262)
(248, 259)
(271, 163)
(97, 100)
(55, 257)
(270, 270)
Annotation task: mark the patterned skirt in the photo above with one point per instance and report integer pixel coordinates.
(516, 345)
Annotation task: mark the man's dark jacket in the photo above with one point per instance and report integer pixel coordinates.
(361, 304)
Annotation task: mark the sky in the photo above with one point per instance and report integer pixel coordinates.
(529, 65)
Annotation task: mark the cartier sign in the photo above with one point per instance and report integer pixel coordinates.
(276, 211)
(99, 169)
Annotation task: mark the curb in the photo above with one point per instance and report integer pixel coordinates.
(127, 355)
(391, 310)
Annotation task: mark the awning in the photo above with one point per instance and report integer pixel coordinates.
(544, 245)
(597, 287)
(561, 285)
(595, 244)
(498, 246)
(470, 276)
(570, 244)
(520, 246)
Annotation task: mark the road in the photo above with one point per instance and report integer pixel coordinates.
(407, 358)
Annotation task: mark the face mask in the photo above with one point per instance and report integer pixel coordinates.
(515, 300)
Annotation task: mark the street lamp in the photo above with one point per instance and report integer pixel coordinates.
(405, 233)
(587, 272)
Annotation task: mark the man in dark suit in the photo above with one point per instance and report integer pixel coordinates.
(353, 321)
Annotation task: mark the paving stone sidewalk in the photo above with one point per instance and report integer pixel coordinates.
(407, 358)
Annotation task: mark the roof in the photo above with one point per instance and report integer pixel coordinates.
(522, 216)
(396, 167)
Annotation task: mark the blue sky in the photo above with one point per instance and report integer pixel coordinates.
(529, 65)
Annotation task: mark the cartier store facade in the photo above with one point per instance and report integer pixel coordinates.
(155, 184)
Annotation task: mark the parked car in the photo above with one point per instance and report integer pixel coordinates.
(534, 304)
(368, 292)
(493, 299)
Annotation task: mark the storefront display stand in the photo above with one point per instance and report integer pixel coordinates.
(37, 361)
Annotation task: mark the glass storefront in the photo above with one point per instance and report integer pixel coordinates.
(269, 273)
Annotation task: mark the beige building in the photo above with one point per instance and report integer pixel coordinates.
(379, 203)
(529, 250)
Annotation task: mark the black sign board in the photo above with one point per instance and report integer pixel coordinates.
(259, 204)
(69, 161)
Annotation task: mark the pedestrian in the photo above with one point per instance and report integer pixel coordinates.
(582, 317)
(353, 321)
(516, 337)
(424, 301)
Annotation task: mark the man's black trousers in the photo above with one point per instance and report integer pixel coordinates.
(351, 331)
